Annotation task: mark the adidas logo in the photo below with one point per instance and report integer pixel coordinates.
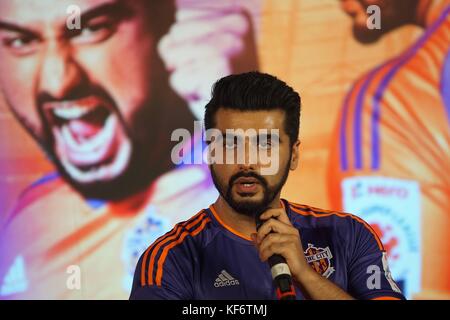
(225, 279)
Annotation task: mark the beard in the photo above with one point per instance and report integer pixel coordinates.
(250, 207)
(101, 187)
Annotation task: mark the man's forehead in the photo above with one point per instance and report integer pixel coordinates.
(227, 118)
(38, 12)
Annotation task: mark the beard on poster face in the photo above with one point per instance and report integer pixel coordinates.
(248, 205)
(92, 145)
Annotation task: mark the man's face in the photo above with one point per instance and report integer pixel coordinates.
(242, 185)
(79, 92)
(393, 13)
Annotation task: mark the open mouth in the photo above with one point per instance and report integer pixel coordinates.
(245, 185)
(85, 131)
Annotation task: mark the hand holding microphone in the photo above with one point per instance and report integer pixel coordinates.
(279, 243)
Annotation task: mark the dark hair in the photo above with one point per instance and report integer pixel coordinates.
(254, 91)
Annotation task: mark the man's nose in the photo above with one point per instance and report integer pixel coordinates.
(249, 159)
(59, 72)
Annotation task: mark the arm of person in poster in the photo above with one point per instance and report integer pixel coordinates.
(209, 40)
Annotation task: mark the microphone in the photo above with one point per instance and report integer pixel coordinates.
(281, 274)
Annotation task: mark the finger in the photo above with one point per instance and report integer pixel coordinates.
(225, 45)
(282, 248)
(163, 49)
(275, 238)
(197, 107)
(278, 214)
(198, 87)
(274, 226)
(253, 237)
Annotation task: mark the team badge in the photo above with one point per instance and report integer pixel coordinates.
(319, 259)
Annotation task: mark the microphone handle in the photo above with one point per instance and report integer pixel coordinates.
(281, 274)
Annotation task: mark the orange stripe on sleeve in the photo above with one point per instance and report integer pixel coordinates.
(327, 213)
(162, 258)
(144, 259)
(168, 239)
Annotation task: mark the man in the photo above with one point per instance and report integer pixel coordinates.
(390, 155)
(97, 98)
(219, 254)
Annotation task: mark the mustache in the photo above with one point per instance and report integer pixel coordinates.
(249, 174)
(82, 91)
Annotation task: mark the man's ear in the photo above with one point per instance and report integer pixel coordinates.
(295, 155)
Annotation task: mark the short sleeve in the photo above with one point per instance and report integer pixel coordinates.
(368, 270)
(172, 286)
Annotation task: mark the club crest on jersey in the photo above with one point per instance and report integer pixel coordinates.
(319, 259)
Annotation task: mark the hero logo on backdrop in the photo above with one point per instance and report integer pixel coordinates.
(392, 207)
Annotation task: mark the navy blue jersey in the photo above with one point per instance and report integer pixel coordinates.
(202, 258)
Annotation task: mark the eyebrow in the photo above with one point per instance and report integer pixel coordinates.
(118, 8)
(269, 136)
(16, 28)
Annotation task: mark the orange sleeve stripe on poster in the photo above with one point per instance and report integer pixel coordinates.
(345, 152)
(162, 258)
(98, 246)
(35, 193)
(380, 86)
(75, 238)
(319, 213)
(347, 125)
(362, 93)
(158, 241)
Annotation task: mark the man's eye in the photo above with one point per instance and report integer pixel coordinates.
(21, 44)
(94, 32)
(264, 144)
(230, 144)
